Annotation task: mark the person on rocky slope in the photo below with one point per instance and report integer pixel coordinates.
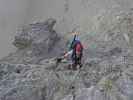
(76, 51)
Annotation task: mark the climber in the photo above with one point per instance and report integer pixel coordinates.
(76, 52)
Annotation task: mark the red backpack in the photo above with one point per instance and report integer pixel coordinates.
(78, 47)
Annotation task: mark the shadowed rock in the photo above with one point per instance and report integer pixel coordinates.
(36, 42)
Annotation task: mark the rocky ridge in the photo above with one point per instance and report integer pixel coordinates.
(31, 74)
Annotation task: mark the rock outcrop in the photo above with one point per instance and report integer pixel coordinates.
(31, 73)
(36, 42)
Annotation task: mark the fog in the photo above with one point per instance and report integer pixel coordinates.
(69, 14)
(12, 15)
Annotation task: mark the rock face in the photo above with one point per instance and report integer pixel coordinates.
(36, 42)
(103, 80)
(106, 73)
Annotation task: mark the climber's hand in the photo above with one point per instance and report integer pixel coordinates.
(65, 55)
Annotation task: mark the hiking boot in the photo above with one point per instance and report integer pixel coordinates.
(74, 67)
(69, 66)
(80, 66)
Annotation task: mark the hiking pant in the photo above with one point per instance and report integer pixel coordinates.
(76, 60)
